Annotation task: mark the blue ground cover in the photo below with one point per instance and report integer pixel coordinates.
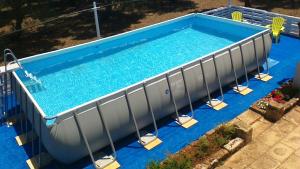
(131, 155)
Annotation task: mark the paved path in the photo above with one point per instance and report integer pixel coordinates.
(274, 145)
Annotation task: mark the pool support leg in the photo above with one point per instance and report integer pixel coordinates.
(153, 139)
(107, 161)
(183, 120)
(192, 120)
(147, 140)
(84, 138)
(260, 76)
(243, 90)
(213, 103)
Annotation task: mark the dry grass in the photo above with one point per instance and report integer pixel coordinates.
(80, 28)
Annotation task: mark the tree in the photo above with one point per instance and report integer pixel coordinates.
(18, 12)
(293, 3)
(248, 3)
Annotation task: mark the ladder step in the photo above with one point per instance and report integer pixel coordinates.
(33, 163)
(13, 120)
(22, 140)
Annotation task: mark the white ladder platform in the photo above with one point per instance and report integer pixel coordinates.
(106, 162)
(149, 141)
(243, 90)
(186, 121)
(216, 104)
(263, 77)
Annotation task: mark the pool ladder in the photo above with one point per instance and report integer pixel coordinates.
(8, 52)
(4, 87)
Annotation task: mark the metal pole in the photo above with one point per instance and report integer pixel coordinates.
(205, 82)
(107, 131)
(229, 3)
(26, 114)
(2, 97)
(20, 109)
(218, 77)
(15, 97)
(187, 91)
(96, 19)
(5, 85)
(244, 65)
(11, 96)
(40, 140)
(233, 69)
(32, 130)
(172, 97)
(255, 54)
(265, 53)
(133, 117)
(84, 138)
(150, 109)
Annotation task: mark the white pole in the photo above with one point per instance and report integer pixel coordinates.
(96, 19)
(229, 2)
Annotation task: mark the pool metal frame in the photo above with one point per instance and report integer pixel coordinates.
(104, 99)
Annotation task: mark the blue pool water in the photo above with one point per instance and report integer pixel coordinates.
(74, 77)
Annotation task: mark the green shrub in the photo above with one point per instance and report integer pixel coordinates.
(154, 165)
(181, 162)
(219, 141)
(203, 147)
(227, 131)
(178, 162)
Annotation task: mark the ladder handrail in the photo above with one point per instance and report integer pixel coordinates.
(8, 52)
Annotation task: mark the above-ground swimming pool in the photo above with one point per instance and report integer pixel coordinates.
(77, 79)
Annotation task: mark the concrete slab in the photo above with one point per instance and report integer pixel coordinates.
(239, 160)
(260, 126)
(280, 152)
(255, 149)
(293, 116)
(284, 127)
(265, 162)
(249, 117)
(293, 139)
(291, 163)
(270, 137)
(297, 152)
